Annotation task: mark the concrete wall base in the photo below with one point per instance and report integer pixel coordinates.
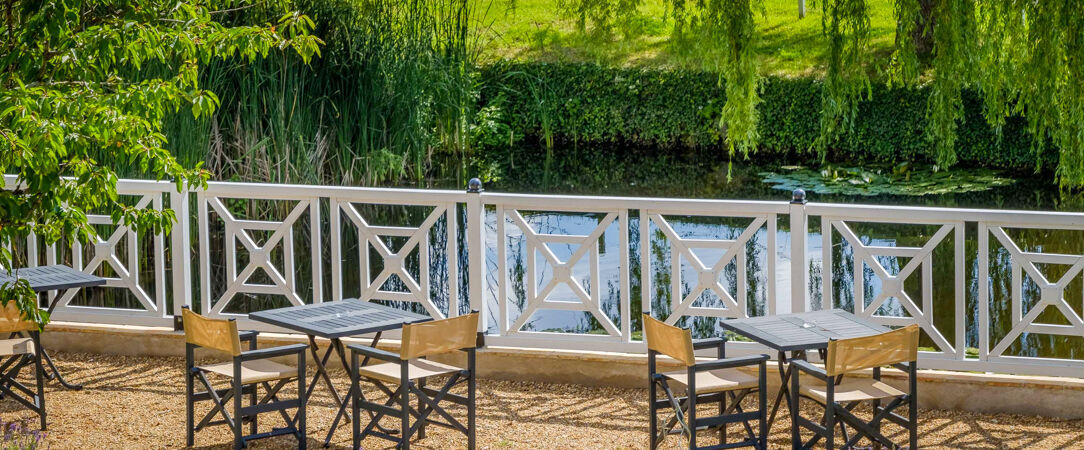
(982, 393)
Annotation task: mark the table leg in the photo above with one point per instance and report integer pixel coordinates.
(784, 374)
(56, 373)
(49, 360)
(321, 371)
(784, 388)
(338, 347)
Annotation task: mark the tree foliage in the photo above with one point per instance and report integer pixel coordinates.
(1025, 57)
(604, 16)
(731, 26)
(84, 78)
(846, 25)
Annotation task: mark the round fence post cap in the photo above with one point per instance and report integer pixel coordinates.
(798, 196)
(474, 185)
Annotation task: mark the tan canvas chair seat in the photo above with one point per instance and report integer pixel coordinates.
(897, 348)
(419, 368)
(420, 340)
(22, 346)
(720, 380)
(850, 390)
(256, 368)
(256, 371)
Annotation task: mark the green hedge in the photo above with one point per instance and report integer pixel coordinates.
(675, 111)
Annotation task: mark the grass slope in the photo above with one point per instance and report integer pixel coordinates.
(533, 30)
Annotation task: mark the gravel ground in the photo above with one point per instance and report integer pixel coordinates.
(132, 402)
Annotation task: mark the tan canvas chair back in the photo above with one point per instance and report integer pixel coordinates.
(669, 340)
(896, 346)
(12, 321)
(219, 334)
(439, 336)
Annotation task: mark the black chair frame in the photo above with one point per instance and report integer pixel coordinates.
(685, 407)
(428, 399)
(11, 387)
(241, 414)
(835, 413)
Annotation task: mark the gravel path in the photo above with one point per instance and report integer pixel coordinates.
(132, 402)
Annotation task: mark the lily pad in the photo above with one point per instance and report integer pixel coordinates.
(903, 179)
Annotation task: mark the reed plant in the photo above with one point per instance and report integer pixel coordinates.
(390, 100)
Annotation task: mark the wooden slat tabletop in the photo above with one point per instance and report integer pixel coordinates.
(334, 320)
(49, 278)
(803, 331)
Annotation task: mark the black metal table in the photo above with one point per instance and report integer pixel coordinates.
(59, 278)
(334, 321)
(799, 333)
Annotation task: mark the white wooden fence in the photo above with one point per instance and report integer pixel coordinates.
(585, 256)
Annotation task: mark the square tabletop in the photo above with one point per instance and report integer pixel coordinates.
(333, 320)
(803, 331)
(50, 278)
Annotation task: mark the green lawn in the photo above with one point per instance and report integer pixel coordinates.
(533, 30)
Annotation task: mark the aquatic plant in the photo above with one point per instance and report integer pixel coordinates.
(903, 179)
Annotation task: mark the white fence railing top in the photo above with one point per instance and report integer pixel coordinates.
(1022, 218)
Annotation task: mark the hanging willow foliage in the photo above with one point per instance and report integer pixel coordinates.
(904, 68)
(953, 68)
(846, 82)
(1004, 34)
(730, 26)
(604, 16)
(1070, 137)
(1051, 81)
(1024, 57)
(740, 71)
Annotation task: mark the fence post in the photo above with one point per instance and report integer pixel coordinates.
(476, 251)
(181, 243)
(799, 269)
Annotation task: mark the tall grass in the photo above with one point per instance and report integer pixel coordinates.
(391, 99)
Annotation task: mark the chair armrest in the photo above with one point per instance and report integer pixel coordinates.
(247, 335)
(377, 353)
(708, 343)
(807, 367)
(728, 363)
(272, 352)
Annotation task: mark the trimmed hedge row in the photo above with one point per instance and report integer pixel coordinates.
(677, 111)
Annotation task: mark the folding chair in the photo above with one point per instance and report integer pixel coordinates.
(704, 382)
(21, 352)
(247, 370)
(840, 395)
(410, 370)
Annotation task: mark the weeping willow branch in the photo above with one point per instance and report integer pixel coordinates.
(1024, 57)
(1069, 100)
(904, 68)
(953, 68)
(1002, 28)
(846, 24)
(604, 16)
(742, 79)
(729, 27)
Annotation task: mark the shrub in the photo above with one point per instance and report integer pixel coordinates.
(678, 110)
